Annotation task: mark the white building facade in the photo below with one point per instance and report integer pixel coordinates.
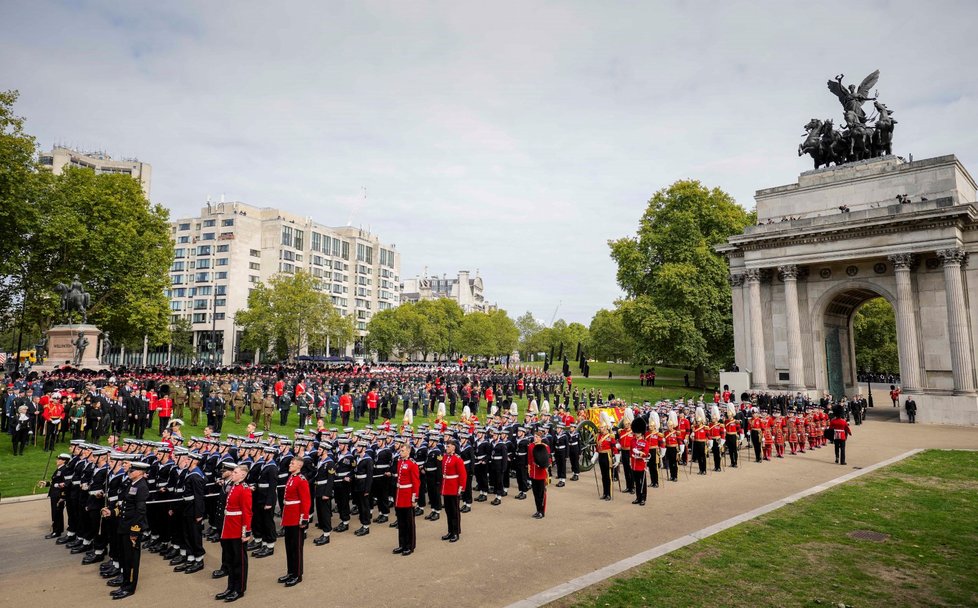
(466, 290)
(222, 254)
(60, 157)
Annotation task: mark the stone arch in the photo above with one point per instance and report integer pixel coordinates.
(832, 314)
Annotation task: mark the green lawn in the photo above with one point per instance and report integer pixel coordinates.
(668, 375)
(802, 555)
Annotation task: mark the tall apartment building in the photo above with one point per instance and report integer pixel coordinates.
(229, 248)
(467, 291)
(60, 157)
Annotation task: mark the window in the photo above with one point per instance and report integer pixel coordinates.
(361, 326)
(286, 267)
(346, 251)
(220, 275)
(223, 248)
(336, 247)
(176, 306)
(218, 316)
(285, 254)
(326, 244)
(180, 252)
(221, 290)
(204, 263)
(176, 279)
(298, 239)
(180, 293)
(254, 266)
(185, 226)
(317, 241)
(200, 304)
(364, 253)
(204, 250)
(316, 260)
(183, 239)
(203, 290)
(200, 317)
(253, 279)
(177, 266)
(255, 253)
(298, 257)
(202, 277)
(220, 302)
(287, 236)
(221, 262)
(227, 222)
(209, 223)
(207, 236)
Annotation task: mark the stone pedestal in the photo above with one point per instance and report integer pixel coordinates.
(61, 351)
(739, 382)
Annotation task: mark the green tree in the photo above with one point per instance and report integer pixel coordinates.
(530, 335)
(385, 334)
(677, 301)
(290, 314)
(99, 227)
(182, 336)
(874, 335)
(608, 338)
(505, 334)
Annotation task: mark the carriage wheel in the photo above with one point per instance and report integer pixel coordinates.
(588, 433)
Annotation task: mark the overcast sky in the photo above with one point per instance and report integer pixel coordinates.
(512, 138)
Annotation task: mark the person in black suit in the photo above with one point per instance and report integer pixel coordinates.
(132, 522)
(57, 493)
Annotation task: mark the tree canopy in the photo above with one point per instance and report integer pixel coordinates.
(677, 303)
(609, 340)
(100, 227)
(874, 335)
(290, 312)
(440, 327)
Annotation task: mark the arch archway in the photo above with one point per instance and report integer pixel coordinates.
(834, 313)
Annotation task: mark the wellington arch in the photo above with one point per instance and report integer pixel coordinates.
(908, 236)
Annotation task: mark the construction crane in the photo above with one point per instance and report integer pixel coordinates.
(554, 316)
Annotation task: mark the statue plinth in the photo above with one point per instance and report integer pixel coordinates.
(61, 347)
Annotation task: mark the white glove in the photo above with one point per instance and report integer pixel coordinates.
(662, 452)
(682, 448)
(617, 459)
(709, 446)
(594, 458)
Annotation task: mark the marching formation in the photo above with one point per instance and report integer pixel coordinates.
(172, 496)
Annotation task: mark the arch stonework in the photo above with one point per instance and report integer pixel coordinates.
(799, 275)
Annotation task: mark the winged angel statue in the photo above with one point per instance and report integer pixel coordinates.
(859, 139)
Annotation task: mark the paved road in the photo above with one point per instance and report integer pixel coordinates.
(503, 556)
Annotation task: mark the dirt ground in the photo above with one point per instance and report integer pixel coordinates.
(504, 555)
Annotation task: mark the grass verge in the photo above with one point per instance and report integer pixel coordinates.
(802, 555)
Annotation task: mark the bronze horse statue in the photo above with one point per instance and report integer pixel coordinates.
(73, 298)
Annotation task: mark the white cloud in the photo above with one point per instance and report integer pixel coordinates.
(516, 138)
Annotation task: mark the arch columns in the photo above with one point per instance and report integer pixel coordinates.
(758, 358)
(906, 319)
(957, 322)
(796, 365)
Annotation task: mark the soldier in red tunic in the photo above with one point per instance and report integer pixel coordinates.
(405, 499)
(777, 429)
(756, 433)
(235, 534)
(538, 465)
(639, 458)
(454, 478)
(734, 434)
(716, 432)
(700, 440)
(768, 424)
(295, 519)
(841, 432)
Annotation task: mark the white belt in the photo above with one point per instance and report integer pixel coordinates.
(342, 475)
(466, 461)
(382, 466)
(69, 477)
(263, 485)
(451, 477)
(574, 443)
(162, 485)
(94, 492)
(497, 457)
(431, 469)
(405, 485)
(188, 497)
(113, 498)
(226, 513)
(361, 476)
(521, 453)
(293, 502)
(319, 483)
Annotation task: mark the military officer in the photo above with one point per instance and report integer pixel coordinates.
(132, 522)
(295, 519)
(405, 500)
(235, 532)
(454, 478)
